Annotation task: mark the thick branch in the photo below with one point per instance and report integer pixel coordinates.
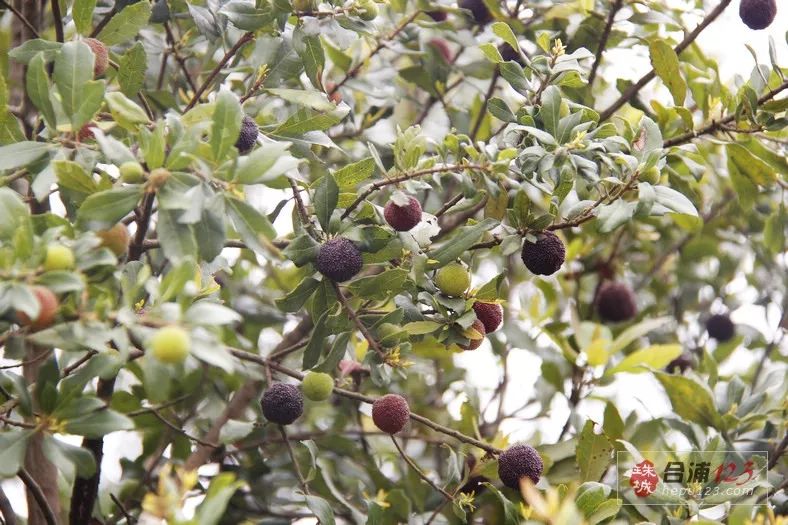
(58, 20)
(635, 88)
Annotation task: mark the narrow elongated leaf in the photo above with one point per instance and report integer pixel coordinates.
(73, 70)
(110, 206)
(326, 198)
(38, 89)
(593, 453)
(131, 70)
(125, 25)
(690, 400)
(82, 12)
(226, 124)
(22, 153)
(252, 225)
(666, 65)
(466, 237)
(315, 346)
(657, 356)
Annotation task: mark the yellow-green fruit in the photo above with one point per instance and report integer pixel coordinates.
(453, 279)
(132, 172)
(387, 334)
(116, 239)
(366, 9)
(563, 109)
(317, 386)
(58, 257)
(157, 179)
(650, 175)
(170, 344)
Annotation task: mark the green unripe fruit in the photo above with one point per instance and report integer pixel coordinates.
(317, 386)
(387, 334)
(116, 239)
(170, 344)
(157, 179)
(453, 279)
(563, 109)
(650, 175)
(132, 172)
(366, 9)
(58, 257)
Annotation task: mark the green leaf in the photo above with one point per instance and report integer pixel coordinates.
(690, 400)
(312, 99)
(265, 163)
(316, 341)
(82, 13)
(38, 89)
(13, 444)
(22, 153)
(301, 250)
(593, 453)
(510, 514)
(213, 507)
(666, 65)
(774, 231)
(611, 216)
(131, 70)
(246, 16)
(612, 425)
(500, 110)
(24, 53)
(505, 32)
(657, 356)
(381, 285)
(326, 198)
(226, 124)
(126, 112)
(550, 112)
(321, 509)
(752, 167)
(81, 458)
(491, 52)
(98, 424)
(310, 49)
(10, 129)
(421, 327)
(253, 227)
(72, 176)
(13, 212)
(338, 349)
(637, 331)
(295, 300)
(110, 206)
(351, 175)
(125, 25)
(674, 201)
(73, 70)
(177, 240)
(465, 237)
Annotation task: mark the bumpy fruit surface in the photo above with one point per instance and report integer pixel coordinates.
(616, 302)
(248, 135)
(518, 462)
(481, 14)
(282, 403)
(490, 314)
(366, 10)
(317, 386)
(545, 256)
(102, 56)
(339, 259)
(390, 413)
(473, 344)
(170, 344)
(650, 175)
(720, 327)
(758, 14)
(453, 279)
(131, 172)
(58, 257)
(116, 239)
(48, 304)
(403, 218)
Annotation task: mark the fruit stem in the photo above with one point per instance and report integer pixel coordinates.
(296, 467)
(418, 471)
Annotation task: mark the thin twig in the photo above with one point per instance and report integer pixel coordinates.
(179, 430)
(373, 343)
(35, 489)
(58, 19)
(418, 471)
(122, 509)
(483, 109)
(296, 467)
(21, 18)
(245, 38)
(302, 213)
(603, 41)
(635, 88)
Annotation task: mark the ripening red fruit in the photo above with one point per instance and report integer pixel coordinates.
(85, 133)
(390, 413)
(473, 344)
(443, 49)
(403, 218)
(48, 305)
(615, 302)
(518, 462)
(490, 314)
(101, 55)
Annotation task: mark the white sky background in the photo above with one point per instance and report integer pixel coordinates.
(723, 40)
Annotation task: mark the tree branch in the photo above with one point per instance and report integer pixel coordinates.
(35, 489)
(58, 20)
(603, 41)
(6, 509)
(30, 27)
(635, 88)
(296, 466)
(717, 125)
(418, 471)
(245, 38)
(373, 343)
